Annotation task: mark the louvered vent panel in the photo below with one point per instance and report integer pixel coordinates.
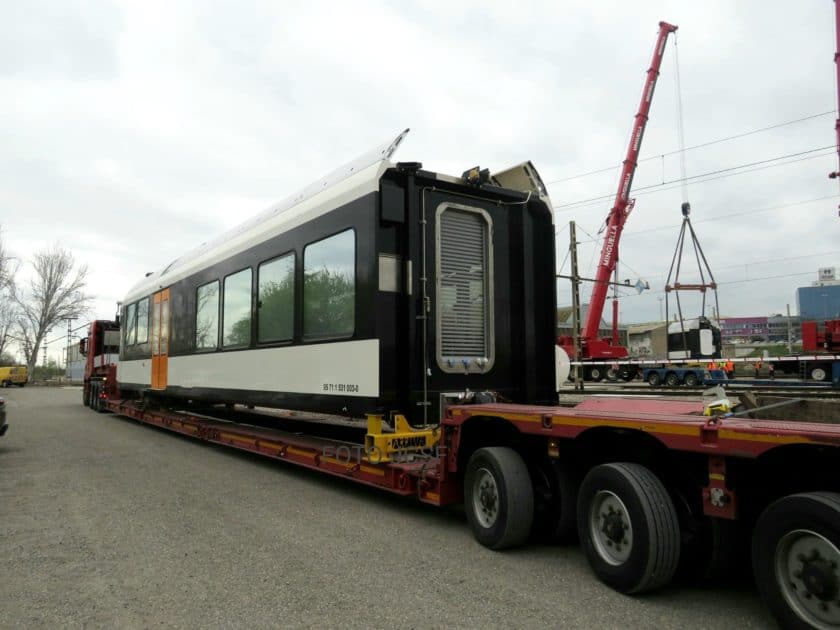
(463, 283)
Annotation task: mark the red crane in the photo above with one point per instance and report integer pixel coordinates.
(593, 348)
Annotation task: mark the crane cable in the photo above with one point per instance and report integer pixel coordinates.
(680, 123)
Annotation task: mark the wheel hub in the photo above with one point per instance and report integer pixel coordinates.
(819, 577)
(485, 498)
(808, 570)
(614, 526)
(610, 528)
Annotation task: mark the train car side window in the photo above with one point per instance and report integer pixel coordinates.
(329, 287)
(131, 325)
(464, 304)
(143, 320)
(236, 312)
(207, 316)
(276, 299)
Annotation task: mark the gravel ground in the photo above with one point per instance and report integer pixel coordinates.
(108, 523)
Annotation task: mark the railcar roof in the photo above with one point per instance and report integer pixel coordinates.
(343, 185)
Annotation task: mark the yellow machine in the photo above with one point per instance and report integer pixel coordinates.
(402, 441)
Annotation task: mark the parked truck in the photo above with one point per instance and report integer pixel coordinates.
(820, 348)
(101, 350)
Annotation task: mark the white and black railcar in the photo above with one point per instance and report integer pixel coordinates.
(378, 288)
(697, 338)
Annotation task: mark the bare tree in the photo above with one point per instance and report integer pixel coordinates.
(8, 316)
(4, 263)
(7, 267)
(8, 312)
(57, 294)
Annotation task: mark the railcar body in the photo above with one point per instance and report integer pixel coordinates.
(697, 338)
(381, 287)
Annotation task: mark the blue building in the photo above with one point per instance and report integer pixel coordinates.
(821, 300)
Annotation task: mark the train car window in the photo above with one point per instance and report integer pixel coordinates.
(143, 320)
(236, 318)
(276, 299)
(464, 289)
(329, 286)
(207, 316)
(131, 324)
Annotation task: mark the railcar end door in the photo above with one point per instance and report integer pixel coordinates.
(160, 339)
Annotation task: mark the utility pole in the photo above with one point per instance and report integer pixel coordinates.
(790, 332)
(67, 350)
(575, 304)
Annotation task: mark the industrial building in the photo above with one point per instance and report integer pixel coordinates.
(821, 300)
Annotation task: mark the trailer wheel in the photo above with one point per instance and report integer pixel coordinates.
(713, 551)
(691, 380)
(596, 373)
(654, 379)
(818, 373)
(556, 485)
(627, 373)
(612, 374)
(628, 527)
(672, 379)
(498, 497)
(92, 398)
(796, 560)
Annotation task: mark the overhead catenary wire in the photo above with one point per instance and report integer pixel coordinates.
(722, 173)
(696, 146)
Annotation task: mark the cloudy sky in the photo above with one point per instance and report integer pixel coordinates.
(131, 131)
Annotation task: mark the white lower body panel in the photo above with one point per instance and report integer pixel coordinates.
(347, 368)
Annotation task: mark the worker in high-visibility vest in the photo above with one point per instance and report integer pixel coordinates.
(712, 366)
(729, 368)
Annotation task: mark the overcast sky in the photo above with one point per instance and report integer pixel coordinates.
(133, 131)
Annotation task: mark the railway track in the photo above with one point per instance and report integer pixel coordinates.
(799, 391)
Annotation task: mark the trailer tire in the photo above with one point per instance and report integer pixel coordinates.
(612, 374)
(672, 379)
(86, 395)
(596, 373)
(498, 497)
(627, 374)
(691, 380)
(654, 379)
(796, 560)
(94, 395)
(556, 484)
(626, 504)
(715, 551)
(818, 373)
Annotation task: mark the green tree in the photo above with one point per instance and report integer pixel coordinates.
(329, 302)
(276, 313)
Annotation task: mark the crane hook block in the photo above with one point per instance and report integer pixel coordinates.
(686, 209)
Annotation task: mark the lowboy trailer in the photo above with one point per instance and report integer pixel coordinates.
(646, 485)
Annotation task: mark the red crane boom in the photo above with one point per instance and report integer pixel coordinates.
(591, 346)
